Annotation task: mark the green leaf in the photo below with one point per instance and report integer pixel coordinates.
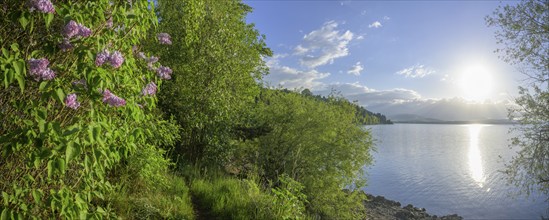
(72, 150)
(5, 53)
(9, 78)
(21, 81)
(4, 215)
(36, 196)
(42, 114)
(96, 132)
(50, 168)
(72, 131)
(14, 47)
(60, 95)
(49, 18)
(24, 21)
(43, 85)
(42, 126)
(60, 165)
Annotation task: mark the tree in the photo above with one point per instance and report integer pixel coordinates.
(523, 31)
(318, 143)
(217, 59)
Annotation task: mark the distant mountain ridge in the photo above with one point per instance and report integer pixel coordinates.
(414, 118)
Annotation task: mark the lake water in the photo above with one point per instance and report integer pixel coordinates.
(449, 169)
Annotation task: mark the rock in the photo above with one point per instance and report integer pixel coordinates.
(378, 207)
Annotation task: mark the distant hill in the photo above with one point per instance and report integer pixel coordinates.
(413, 118)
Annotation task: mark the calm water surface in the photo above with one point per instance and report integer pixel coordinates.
(449, 169)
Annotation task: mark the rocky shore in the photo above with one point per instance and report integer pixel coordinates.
(381, 208)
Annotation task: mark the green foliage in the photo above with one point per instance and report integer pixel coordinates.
(523, 31)
(363, 116)
(289, 198)
(170, 200)
(223, 197)
(319, 144)
(217, 58)
(56, 161)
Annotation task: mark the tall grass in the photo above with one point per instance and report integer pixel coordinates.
(224, 197)
(171, 201)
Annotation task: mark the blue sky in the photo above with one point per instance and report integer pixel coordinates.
(394, 57)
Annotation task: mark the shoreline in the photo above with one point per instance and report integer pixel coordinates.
(379, 207)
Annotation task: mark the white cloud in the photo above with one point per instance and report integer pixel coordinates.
(416, 71)
(291, 78)
(386, 18)
(323, 45)
(360, 37)
(375, 24)
(366, 96)
(398, 101)
(355, 69)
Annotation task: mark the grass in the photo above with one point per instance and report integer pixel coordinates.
(172, 201)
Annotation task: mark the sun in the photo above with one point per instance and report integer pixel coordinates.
(476, 83)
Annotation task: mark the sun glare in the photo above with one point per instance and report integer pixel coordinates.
(476, 83)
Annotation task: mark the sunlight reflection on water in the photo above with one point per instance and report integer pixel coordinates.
(475, 159)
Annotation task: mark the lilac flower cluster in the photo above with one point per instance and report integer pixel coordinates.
(112, 99)
(150, 60)
(164, 72)
(164, 38)
(150, 89)
(81, 82)
(115, 59)
(73, 29)
(109, 23)
(65, 45)
(39, 69)
(70, 101)
(44, 6)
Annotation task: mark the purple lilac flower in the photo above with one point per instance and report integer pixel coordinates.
(70, 101)
(152, 59)
(116, 59)
(65, 45)
(109, 23)
(141, 55)
(80, 82)
(112, 99)
(73, 29)
(44, 6)
(83, 31)
(164, 38)
(39, 69)
(150, 89)
(164, 72)
(102, 57)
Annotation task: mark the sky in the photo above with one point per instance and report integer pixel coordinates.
(434, 59)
